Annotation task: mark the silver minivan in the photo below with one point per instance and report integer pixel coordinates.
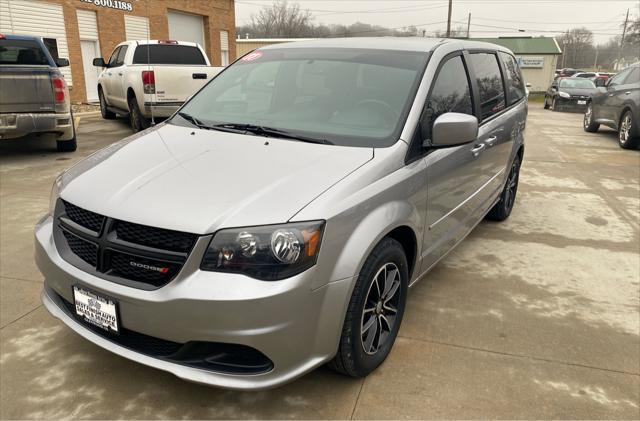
(276, 222)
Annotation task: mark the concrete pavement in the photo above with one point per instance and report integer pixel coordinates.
(536, 317)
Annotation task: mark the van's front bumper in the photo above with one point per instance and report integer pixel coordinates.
(296, 327)
(14, 125)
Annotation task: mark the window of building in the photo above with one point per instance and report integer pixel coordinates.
(489, 80)
(515, 82)
(224, 48)
(52, 46)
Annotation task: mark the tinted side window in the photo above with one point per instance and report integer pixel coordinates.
(515, 83)
(620, 77)
(121, 54)
(489, 82)
(114, 57)
(633, 77)
(450, 91)
(168, 54)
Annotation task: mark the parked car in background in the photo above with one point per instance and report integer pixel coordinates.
(151, 79)
(617, 106)
(568, 93)
(276, 221)
(568, 72)
(587, 75)
(34, 98)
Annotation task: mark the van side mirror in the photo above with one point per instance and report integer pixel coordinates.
(62, 62)
(452, 129)
(99, 62)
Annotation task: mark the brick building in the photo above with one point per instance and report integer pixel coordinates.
(81, 30)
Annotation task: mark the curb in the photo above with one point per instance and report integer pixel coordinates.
(86, 114)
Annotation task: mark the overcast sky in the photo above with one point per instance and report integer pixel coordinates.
(488, 17)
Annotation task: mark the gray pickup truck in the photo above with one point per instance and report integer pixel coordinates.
(34, 98)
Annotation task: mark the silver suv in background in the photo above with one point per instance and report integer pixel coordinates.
(276, 222)
(34, 98)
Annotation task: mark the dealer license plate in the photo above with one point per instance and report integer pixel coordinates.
(582, 102)
(99, 311)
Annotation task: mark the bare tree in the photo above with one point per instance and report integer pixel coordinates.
(281, 20)
(577, 47)
(457, 32)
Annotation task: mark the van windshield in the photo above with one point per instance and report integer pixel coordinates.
(345, 96)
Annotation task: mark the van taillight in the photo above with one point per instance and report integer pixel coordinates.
(148, 82)
(59, 88)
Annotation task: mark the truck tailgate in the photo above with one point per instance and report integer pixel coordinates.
(177, 83)
(26, 89)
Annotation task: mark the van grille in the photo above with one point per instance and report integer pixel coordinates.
(127, 253)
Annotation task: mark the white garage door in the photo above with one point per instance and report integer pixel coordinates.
(37, 18)
(184, 27)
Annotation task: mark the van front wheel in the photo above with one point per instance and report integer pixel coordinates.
(375, 311)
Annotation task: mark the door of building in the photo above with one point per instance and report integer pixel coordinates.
(89, 52)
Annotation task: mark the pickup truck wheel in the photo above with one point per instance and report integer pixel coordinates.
(106, 114)
(138, 121)
(503, 208)
(375, 311)
(589, 123)
(628, 135)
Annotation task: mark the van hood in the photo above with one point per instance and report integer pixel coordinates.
(199, 180)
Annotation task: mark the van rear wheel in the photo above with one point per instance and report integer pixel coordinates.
(503, 208)
(375, 311)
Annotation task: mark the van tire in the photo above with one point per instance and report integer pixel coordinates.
(137, 120)
(501, 210)
(351, 358)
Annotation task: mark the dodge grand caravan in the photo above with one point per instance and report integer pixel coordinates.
(276, 222)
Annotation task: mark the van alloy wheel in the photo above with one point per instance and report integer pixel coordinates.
(380, 309)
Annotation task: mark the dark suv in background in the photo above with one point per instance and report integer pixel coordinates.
(617, 105)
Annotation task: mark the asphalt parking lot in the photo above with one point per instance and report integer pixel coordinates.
(536, 317)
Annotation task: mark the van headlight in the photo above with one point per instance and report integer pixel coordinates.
(564, 95)
(269, 253)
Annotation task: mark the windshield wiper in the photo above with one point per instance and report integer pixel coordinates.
(270, 132)
(199, 124)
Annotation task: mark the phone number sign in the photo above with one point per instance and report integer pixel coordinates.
(112, 4)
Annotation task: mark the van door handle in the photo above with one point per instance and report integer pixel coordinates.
(491, 140)
(628, 93)
(478, 148)
(119, 73)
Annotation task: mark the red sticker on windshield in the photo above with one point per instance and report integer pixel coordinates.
(252, 56)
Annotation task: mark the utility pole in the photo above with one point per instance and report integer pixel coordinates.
(564, 52)
(449, 19)
(624, 33)
(595, 62)
(468, 25)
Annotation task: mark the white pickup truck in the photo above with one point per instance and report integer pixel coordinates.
(151, 79)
